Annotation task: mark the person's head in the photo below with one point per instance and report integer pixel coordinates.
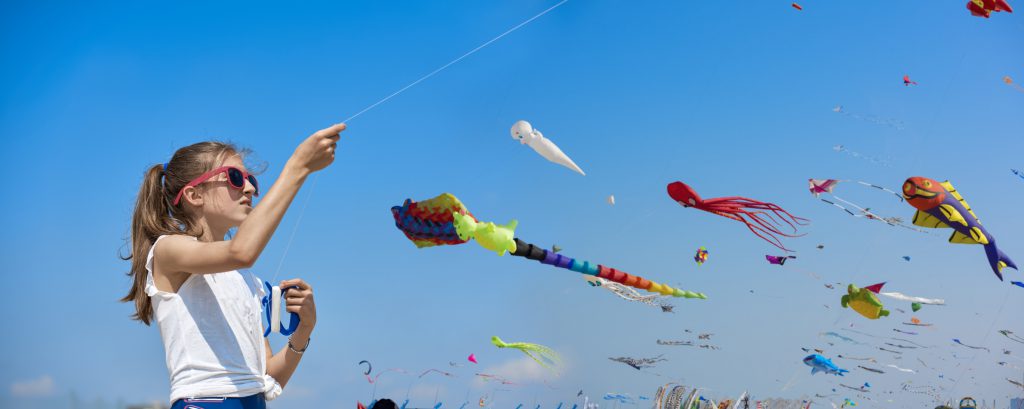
(203, 191)
(384, 404)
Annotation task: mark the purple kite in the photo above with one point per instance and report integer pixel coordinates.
(780, 260)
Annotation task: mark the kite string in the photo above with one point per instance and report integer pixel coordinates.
(392, 95)
(509, 31)
(983, 341)
(295, 228)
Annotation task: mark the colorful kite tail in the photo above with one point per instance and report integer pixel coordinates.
(532, 252)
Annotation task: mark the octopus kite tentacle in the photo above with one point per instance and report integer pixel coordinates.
(739, 203)
(764, 219)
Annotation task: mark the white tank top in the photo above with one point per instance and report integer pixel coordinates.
(213, 335)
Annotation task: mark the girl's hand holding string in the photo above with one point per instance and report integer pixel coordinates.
(298, 300)
(313, 154)
(317, 151)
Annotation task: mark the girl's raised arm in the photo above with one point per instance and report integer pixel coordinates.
(180, 254)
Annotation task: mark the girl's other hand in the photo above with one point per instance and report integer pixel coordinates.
(317, 151)
(300, 301)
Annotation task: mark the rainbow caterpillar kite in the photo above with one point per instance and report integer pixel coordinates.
(444, 220)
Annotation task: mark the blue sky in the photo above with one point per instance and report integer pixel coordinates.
(733, 99)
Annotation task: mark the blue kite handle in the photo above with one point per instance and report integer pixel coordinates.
(293, 320)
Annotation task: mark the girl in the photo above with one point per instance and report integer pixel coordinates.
(186, 274)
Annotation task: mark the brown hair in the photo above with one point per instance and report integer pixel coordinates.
(155, 215)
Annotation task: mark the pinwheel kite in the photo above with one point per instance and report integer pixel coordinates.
(702, 256)
(756, 215)
(939, 205)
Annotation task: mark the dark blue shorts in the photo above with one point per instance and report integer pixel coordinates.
(249, 402)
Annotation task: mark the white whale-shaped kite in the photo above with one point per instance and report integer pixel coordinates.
(523, 132)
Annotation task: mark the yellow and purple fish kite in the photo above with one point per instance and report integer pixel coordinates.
(939, 205)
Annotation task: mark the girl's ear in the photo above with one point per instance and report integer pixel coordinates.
(192, 196)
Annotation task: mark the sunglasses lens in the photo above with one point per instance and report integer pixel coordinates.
(256, 186)
(235, 177)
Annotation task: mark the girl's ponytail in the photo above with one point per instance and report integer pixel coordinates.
(150, 219)
(155, 215)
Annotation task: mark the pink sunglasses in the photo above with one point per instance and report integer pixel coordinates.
(236, 178)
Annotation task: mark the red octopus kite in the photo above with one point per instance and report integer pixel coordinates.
(758, 216)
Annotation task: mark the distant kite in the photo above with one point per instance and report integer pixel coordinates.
(889, 122)
(702, 256)
(901, 369)
(916, 322)
(1009, 81)
(638, 363)
(856, 359)
(539, 353)
(1009, 334)
(436, 371)
(778, 260)
(827, 186)
(969, 346)
(984, 8)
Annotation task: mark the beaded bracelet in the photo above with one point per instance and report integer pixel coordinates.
(298, 351)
